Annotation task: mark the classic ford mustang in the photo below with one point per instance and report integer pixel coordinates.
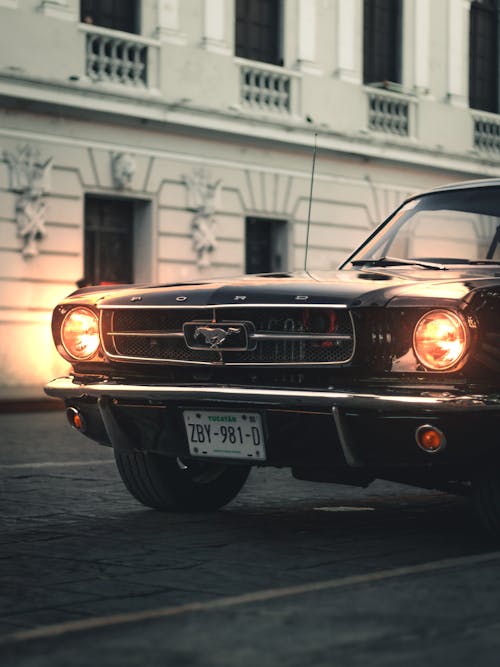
(388, 367)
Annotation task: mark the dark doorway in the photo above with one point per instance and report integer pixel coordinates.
(266, 245)
(109, 239)
(258, 30)
(114, 14)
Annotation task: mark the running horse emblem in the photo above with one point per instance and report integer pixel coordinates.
(215, 336)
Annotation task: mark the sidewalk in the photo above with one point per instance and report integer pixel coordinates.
(26, 398)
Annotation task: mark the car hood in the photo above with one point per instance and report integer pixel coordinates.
(347, 287)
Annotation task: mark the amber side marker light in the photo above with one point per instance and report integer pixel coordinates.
(76, 419)
(430, 439)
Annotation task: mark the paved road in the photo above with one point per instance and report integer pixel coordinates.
(290, 573)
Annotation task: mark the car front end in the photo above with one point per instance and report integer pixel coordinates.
(388, 368)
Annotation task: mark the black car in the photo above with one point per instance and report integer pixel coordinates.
(386, 368)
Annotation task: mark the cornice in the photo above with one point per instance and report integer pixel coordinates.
(148, 106)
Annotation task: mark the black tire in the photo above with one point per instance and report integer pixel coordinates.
(179, 485)
(486, 499)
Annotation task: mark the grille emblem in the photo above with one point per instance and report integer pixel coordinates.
(214, 336)
(231, 336)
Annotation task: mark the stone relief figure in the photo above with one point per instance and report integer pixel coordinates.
(203, 200)
(123, 169)
(29, 178)
(30, 215)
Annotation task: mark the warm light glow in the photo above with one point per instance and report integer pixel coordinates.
(440, 339)
(80, 333)
(430, 438)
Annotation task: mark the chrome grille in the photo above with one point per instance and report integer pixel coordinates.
(280, 335)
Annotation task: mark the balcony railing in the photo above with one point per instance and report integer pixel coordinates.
(487, 133)
(117, 57)
(390, 113)
(268, 88)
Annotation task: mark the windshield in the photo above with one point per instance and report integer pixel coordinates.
(453, 227)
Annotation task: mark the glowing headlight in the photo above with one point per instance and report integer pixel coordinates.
(80, 333)
(440, 339)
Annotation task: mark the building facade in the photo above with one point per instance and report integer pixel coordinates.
(167, 140)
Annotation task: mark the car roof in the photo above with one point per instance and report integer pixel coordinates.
(464, 185)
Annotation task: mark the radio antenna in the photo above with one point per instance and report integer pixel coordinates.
(310, 199)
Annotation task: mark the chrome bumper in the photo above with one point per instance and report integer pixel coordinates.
(424, 401)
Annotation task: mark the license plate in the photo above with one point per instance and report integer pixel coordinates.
(229, 435)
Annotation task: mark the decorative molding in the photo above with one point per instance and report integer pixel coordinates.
(57, 9)
(30, 179)
(203, 198)
(123, 168)
(30, 218)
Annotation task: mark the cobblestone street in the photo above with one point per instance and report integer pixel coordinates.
(385, 575)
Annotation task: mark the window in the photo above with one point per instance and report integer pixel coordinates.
(382, 41)
(483, 59)
(115, 14)
(109, 237)
(266, 245)
(258, 30)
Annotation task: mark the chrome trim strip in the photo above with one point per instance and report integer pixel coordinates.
(277, 336)
(253, 364)
(304, 336)
(225, 305)
(147, 334)
(66, 387)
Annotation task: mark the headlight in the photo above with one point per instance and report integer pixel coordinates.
(440, 339)
(80, 333)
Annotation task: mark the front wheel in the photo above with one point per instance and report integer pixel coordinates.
(179, 485)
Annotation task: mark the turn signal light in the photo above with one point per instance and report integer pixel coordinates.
(430, 439)
(76, 419)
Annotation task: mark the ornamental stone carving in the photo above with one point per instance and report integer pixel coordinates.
(123, 169)
(203, 200)
(30, 179)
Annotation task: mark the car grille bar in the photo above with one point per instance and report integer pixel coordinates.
(278, 335)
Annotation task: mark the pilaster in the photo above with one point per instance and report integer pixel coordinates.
(458, 52)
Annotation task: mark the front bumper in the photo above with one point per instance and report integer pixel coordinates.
(355, 429)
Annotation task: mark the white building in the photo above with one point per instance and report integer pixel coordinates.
(170, 139)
